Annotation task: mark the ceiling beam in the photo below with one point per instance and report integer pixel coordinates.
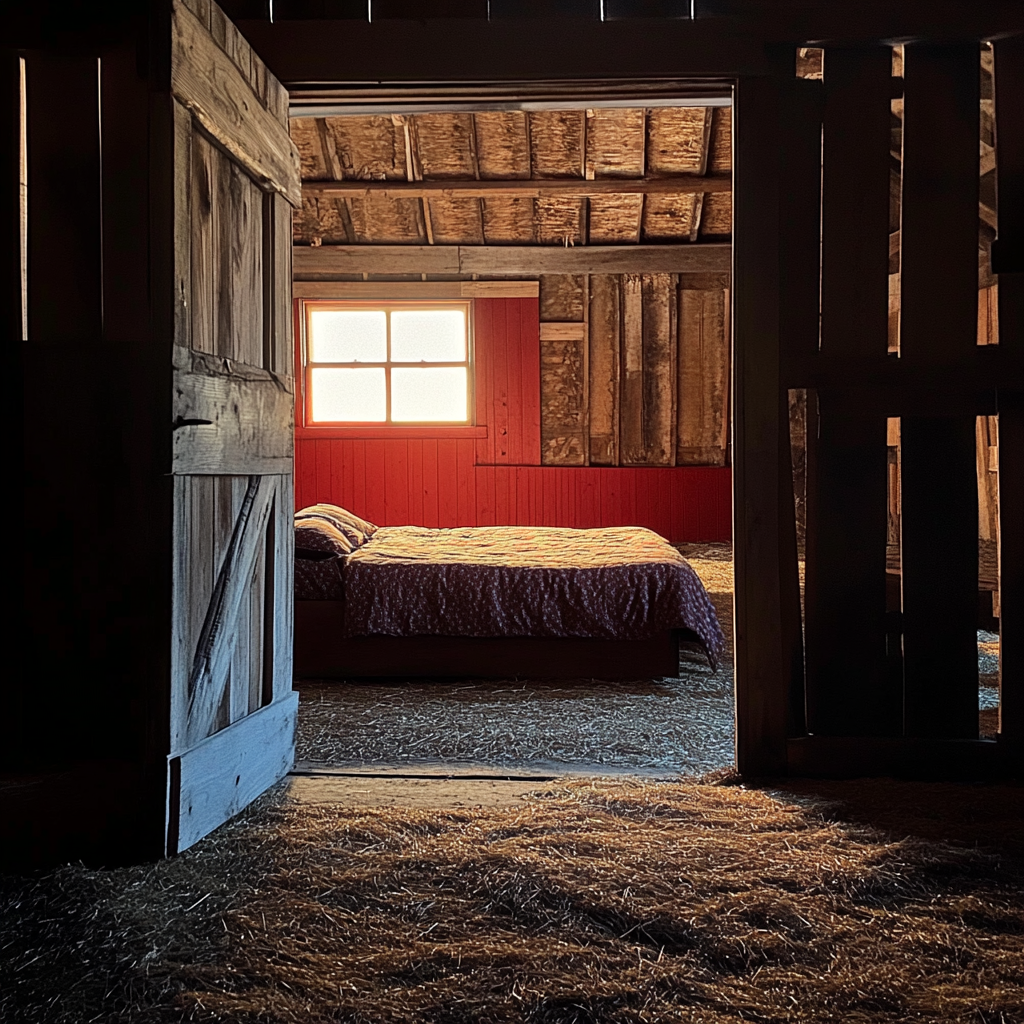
(727, 39)
(323, 262)
(522, 188)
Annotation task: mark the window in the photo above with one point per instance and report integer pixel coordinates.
(374, 363)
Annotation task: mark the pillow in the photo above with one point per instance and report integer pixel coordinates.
(358, 531)
(318, 535)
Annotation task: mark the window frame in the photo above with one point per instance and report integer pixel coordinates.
(388, 427)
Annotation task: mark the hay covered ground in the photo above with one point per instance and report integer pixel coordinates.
(582, 901)
(593, 901)
(658, 727)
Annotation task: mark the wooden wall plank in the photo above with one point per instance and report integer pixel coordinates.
(221, 99)
(632, 449)
(220, 776)
(703, 378)
(938, 328)
(204, 164)
(659, 368)
(603, 369)
(182, 226)
(847, 696)
(240, 251)
(278, 285)
(280, 603)
(231, 421)
(226, 614)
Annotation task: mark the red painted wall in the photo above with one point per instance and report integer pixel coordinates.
(497, 479)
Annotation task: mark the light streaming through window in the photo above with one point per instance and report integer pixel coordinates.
(388, 364)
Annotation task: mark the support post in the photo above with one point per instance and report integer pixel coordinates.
(762, 674)
(938, 330)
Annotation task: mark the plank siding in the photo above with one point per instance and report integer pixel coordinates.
(659, 368)
(603, 371)
(938, 328)
(847, 563)
(703, 366)
(683, 503)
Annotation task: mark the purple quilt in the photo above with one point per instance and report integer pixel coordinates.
(616, 583)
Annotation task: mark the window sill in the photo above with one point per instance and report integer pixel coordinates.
(328, 433)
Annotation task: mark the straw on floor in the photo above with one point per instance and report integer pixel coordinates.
(596, 902)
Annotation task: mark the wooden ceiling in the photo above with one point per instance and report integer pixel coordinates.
(552, 177)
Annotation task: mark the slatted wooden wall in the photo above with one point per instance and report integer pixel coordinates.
(926, 366)
(499, 478)
(635, 369)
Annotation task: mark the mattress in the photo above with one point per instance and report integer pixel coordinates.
(616, 583)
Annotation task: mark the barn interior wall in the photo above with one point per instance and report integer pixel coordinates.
(551, 454)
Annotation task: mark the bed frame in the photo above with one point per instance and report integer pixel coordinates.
(321, 652)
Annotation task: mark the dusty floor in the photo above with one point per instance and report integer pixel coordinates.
(588, 902)
(390, 892)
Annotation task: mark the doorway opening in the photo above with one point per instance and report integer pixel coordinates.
(587, 229)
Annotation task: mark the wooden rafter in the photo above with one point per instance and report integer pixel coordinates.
(313, 262)
(524, 188)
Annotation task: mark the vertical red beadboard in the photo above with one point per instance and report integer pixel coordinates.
(485, 495)
(499, 382)
(521, 475)
(447, 483)
(514, 363)
(323, 467)
(484, 362)
(358, 474)
(428, 473)
(305, 473)
(376, 493)
(414, 467)
(342, 471)
(465, 468)
(503, 511)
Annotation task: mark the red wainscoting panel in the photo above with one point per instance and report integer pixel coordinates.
(436, 483)
(497, 480)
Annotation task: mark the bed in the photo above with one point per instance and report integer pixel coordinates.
(505, 602)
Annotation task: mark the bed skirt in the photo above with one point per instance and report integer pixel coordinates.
(321, 652)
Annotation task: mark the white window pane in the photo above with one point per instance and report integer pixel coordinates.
(357, 396)
(432, 335)
(348, 336)
(429, 394)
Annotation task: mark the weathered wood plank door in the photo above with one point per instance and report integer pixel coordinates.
(235, 179)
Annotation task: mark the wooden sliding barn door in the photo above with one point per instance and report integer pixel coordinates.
(235, 179)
